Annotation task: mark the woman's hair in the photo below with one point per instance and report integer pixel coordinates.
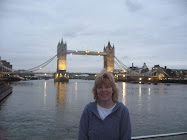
(100, 79)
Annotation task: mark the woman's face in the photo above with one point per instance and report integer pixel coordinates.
(104, 91)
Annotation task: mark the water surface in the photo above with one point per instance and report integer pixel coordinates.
(42, 109)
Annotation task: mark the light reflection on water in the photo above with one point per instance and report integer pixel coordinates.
(61, 93)
(75, 90)
(45, 93)
(48, 110)
(149, 91)
(140, 93)
(124, 93)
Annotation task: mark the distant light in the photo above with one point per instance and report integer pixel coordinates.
(87, 51)
(140, 78)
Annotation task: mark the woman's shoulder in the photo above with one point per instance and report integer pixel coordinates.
(91, 106)
(120, 105)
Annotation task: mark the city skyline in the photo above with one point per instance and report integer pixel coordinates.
(151, 32)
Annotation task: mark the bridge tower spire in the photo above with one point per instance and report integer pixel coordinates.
(109, 58)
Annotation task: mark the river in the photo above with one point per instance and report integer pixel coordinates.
(43, 109)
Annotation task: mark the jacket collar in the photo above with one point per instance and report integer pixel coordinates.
(93, 107)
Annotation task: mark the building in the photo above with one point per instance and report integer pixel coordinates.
(144, 68)
(7, 66)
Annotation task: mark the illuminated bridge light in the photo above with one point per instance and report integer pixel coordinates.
(87, 51)
(98, 52)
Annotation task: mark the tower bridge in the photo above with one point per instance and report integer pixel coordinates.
(61, 75)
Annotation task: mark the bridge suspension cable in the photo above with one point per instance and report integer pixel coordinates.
(121, 64)
(124, 67)
(165, 73)
(31, 69)
(42, 65)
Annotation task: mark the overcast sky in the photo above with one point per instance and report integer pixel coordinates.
(150, 31)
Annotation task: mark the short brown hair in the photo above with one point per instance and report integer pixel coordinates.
(100, 79)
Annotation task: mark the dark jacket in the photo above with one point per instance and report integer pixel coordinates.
(116, 126)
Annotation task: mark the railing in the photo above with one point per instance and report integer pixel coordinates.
(159, 135)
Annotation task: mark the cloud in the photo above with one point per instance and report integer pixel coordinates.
(133, 5)
(142, 31)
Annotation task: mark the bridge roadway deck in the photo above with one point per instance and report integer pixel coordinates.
(86, 53)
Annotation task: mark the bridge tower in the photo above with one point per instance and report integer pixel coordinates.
(61, 74)
(61, 56)
(109, 58)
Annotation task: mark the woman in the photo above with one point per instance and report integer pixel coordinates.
(106, 118)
